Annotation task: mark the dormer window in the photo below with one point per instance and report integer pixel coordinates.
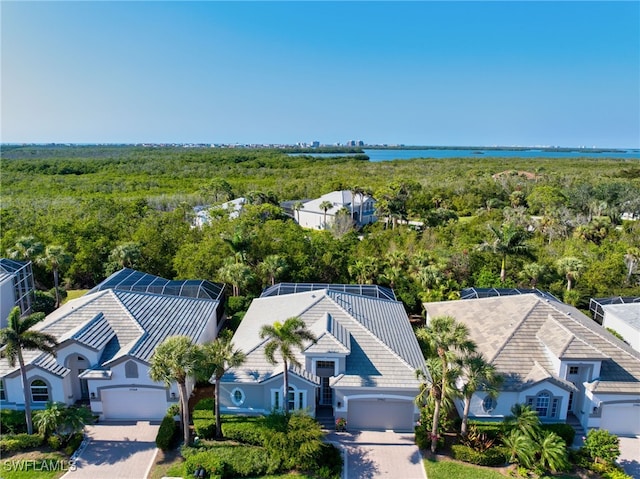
(573, 370)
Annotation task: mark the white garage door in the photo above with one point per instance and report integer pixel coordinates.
(621, 419)
(380, 414)
(134, 403)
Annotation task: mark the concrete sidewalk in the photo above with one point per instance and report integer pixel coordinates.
(117, 450)
(379, 454)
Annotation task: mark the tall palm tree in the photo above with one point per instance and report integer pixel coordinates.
(218, 357)
(281, 339)
(507, 240)
(297, 206)
(445, 338)
(571, 268)
(174, 360)
(631, 260)
(325, 206)
(477, 374)
(126, 255)
(55, 258)
(27, 248)
(273, 266)
(17, 337)
(235, 273)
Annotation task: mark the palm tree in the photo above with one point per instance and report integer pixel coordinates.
(523, 419)
(477, 374)
(571, 267)
(552, 452)
(325, 206)
(443, 337)
(126, 255)
(175, 360)
(282, 338)
(218, 357)
(19, 336)
(297, 206)
(507, 240)
(532, 272)
(235, 273)
(273, 266)
(55, 258)
(631, 260)
(520, 447)
(27, 248)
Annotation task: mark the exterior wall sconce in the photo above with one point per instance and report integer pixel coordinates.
(93, 395)
(173, 395)
(339, 404)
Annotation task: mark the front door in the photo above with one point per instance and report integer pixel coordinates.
(326, 393)
(84, 386)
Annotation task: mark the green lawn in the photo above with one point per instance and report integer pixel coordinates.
(75, 293)
(455, 470)
(34, 466)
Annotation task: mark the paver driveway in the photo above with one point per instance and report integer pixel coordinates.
(630, 455)
(380, 454)
(117, 450)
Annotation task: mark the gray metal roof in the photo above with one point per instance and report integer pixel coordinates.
(475, 293)
(518, 334)
(131, 280)
(121, 323)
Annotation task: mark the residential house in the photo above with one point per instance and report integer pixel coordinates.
(106, 340)
(362, 367)
(360, 207)
(622, 314)
(203, 213)
(16, 287)
(553, 358)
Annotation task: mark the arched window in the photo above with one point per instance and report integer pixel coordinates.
(131, 369)
(237, 396)
(39, 391)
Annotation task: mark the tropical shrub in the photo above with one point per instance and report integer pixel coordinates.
(247, 433)
(73, 443)
(13, 421)
(565, 431)
(54, 442)
(602, 446)
(166, 433)
(495, 456)
(20, 442)
(615, 474)
(211, 463)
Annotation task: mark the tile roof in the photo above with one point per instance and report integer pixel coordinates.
(376, 334)
(521, 335)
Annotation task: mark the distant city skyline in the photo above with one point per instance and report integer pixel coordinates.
(562, 74)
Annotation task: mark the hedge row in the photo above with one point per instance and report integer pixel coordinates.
(19, 442)
(247, 433)
(495, 456)
(13, 421)
(224, 462)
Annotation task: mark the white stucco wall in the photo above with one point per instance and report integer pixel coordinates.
(58, 391)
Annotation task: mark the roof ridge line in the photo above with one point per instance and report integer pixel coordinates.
(513, 332)
(386, 346)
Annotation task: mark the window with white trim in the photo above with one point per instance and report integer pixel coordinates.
(237, 396)
(488, 404)
(297, 399)
(573, 370)
(39, 391)
(542, 404)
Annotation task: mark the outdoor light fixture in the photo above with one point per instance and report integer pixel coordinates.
(93, 395)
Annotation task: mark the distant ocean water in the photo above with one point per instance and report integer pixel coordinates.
(407, 154)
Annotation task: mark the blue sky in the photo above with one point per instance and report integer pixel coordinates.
(426, 73)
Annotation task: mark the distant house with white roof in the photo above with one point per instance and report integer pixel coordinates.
(106, 340)
(360, 207)
(622, 314)
(203, 215)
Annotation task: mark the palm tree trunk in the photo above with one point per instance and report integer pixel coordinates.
(434, 425)
(217, 406)
(465, 415)
(55, 285)
(184, 406)
(503, 270)
(27, 394)
(286, 387)
(569, 283)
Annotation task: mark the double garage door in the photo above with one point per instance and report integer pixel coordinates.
(380, 414)
(621, 419)
(134, 404)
